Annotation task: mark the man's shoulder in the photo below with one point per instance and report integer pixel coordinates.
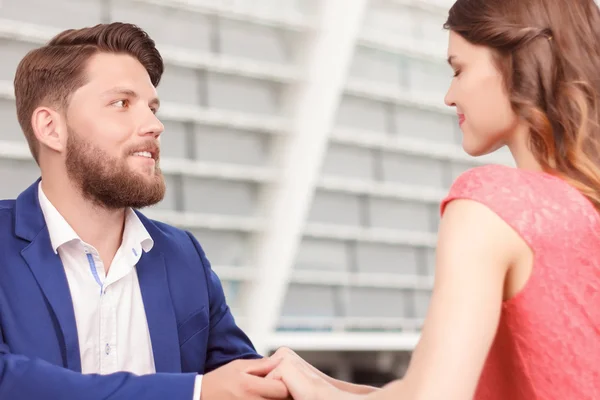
(7, 208)
(7, 204)
(7, 220)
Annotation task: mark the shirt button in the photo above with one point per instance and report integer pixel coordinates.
(107, 349)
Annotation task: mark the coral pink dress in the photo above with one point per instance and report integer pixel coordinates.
(548, 341)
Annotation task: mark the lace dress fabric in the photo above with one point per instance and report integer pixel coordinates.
(548, 340)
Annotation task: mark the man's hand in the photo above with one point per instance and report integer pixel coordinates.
(285, 354)
(243, 380)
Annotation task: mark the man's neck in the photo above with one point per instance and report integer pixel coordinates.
(100, 227)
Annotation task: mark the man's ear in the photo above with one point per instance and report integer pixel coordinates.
(49, 128)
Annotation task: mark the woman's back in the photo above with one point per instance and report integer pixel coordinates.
(548, 340)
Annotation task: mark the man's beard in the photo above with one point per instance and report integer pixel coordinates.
(108, 181)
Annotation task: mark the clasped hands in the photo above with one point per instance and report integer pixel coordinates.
(283, 376)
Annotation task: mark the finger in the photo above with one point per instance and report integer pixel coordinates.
(306, 368)
(297, 380)
(266, 388)
(284, 353)
(281, 353)
(261, 367)
(274, 374)
(295, 363)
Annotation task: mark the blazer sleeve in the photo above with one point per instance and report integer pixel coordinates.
(226, 341)
(22, 378)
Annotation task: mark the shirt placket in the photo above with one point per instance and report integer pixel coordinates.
(108, 332)
(107, 343)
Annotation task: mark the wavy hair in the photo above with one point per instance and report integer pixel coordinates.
(548, 52)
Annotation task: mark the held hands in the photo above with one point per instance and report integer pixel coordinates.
(303, 381)
(283, 376)
(243, 379)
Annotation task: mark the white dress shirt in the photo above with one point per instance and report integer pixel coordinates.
(109, 310)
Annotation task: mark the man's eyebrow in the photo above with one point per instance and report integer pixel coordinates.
(131, 93)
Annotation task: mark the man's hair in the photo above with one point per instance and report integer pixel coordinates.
(49, 75)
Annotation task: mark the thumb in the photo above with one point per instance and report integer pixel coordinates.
(262, 367)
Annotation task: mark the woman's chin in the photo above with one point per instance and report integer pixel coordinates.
(477, 149)
(473, 151)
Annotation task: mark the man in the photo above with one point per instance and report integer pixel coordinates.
(97, 301)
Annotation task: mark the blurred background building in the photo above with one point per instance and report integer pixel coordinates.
(307, 146)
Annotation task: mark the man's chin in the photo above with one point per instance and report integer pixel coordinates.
(135, 192)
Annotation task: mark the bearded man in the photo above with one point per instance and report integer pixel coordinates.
(96, 300)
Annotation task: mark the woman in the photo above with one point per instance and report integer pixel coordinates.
(515, 311)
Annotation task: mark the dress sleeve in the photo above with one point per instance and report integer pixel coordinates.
(506, 191)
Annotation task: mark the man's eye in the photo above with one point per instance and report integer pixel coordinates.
(121, 103)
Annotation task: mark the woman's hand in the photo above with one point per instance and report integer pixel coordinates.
(284, 353)
(304, 384)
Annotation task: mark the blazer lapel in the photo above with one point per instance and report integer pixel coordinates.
(50, 275)
(49, 272)
(162, 324)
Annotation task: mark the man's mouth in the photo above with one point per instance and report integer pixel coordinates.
(146, 154)
(149, 151)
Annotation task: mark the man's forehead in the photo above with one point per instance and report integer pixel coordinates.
(116, 72)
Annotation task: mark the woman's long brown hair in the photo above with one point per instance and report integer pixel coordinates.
(548, 52)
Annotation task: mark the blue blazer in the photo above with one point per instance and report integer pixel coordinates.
(191, 326)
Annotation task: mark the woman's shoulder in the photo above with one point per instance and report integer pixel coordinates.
(504, 184)
(531, 202)
(493, 176)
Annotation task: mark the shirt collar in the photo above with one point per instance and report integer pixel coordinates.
(135, 234)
